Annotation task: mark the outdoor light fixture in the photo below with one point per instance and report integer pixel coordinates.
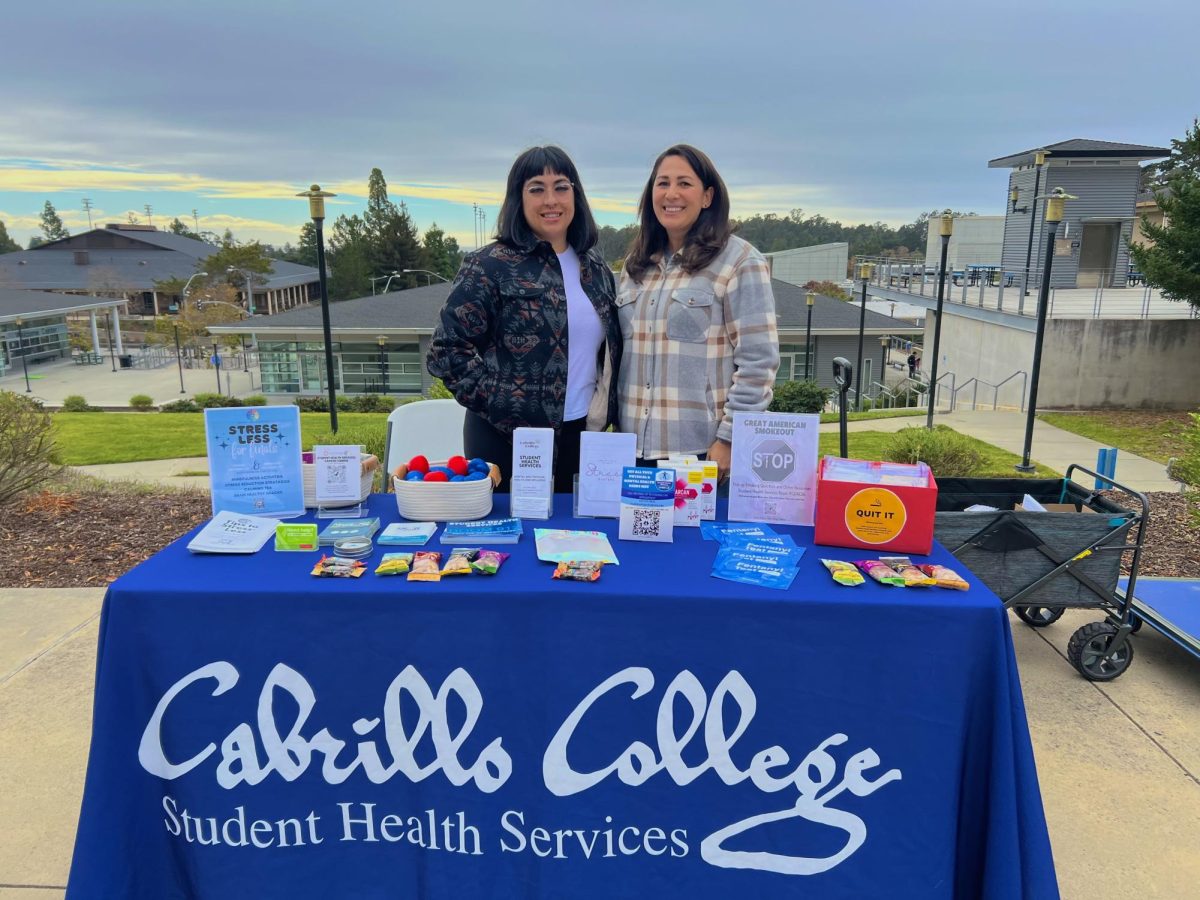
(809, 299)
(426, 272)
(179, 360)
(187, 284)
(316, 211)
(864, 273)
(947, 229)
(885, 342)
(389, 276)
(1055, 202)
(1039, 160)
(1013, 196)
(382, 340)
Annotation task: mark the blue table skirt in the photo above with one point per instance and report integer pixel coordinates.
(259, 732)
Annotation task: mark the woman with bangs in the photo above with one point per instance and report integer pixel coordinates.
(529, 333)
(697, 316)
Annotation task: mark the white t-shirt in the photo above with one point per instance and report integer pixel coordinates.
(585, 335)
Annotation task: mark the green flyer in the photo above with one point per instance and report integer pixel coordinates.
(296, 537)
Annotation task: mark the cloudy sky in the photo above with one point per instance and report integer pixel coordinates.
(859, 111)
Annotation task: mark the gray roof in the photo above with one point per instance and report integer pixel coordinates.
(34, 305)
(415, 311)
(160, 256)
(1082, 147)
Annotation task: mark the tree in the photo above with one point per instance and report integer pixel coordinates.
(208, 304)
(442, 254)
(827, 289)
(1172, 262)
(52, 226)
(7, 244)
(393, 243)
(349, 259)
(178, 226)
(613, 243)
(230, 262)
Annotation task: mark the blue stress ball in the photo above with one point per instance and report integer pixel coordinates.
(474, 476)
(415, 476)
(478, 463)
(458, 477)
(445, 470)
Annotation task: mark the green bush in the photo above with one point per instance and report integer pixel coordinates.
(141, 402)
(439, 391)
(370, 403)
(76, 403)
(28, 455)
(254, 400)
(370, 437)
(312, 404)
(180, 406)
(948, 453)
(799, 397)
(1187, 467)
(215, 401)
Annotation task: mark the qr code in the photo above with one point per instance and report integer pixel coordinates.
(646, 522)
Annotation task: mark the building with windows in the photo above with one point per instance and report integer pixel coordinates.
(380, 343)
(128, 261)
(800, 265)
(33, 326)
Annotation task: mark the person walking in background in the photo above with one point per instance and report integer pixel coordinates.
(529, 333)
(912, 364)
(697, 316)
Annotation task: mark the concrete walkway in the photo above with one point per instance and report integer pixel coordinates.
(1119, 763)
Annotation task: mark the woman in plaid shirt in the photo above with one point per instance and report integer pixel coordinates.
(697, 317)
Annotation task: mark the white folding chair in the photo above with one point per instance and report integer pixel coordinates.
(433, 428)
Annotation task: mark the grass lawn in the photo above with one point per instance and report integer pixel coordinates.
(997, 463)
(93, 438)
(1154, 435)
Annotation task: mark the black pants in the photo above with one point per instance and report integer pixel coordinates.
(481, 439)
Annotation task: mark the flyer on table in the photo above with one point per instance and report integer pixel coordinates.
(254, 460)
(773, 472)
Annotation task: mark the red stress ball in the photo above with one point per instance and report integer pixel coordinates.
(437, 476)
(458, 464)
(418, 464)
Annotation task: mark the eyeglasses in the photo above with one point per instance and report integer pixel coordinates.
(560, 188)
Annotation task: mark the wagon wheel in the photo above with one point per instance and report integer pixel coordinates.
(1039, 616)
(1088, 647)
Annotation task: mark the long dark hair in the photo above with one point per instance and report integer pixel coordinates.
(708, 234)
(511, 227)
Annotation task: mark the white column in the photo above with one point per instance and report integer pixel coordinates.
(116, 321)
(95, 332)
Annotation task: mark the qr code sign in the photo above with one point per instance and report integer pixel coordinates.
(646, 523)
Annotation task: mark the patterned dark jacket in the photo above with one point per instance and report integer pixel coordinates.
(501, 344)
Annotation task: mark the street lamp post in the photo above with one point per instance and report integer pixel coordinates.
(389, 276)
(808, 299)
(864, 272)
(425, 272)
(187, 284)
(1039, 160)
(886, 343)
(179, 360)
(245, 357)
(1055, 201)
(216, 361)
(249, 279)
(108, 331)
(381, 340)
(947, 230)
(24, 360)
(316, 210)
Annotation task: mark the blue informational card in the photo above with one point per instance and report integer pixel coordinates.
(254, 460)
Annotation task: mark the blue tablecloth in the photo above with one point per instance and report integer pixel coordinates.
(259, 732)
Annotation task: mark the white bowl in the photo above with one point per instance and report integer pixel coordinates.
(444, 501)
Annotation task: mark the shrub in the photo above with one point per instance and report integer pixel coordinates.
(28, 455)
(1187, 467)
(372, 403)
(312, 404)
(947, 452)
(254, 400)
(141, 402)
(215, 401)
(180, 406)
(371, 437)
(439, 391)
(76, 403)
(799, 397)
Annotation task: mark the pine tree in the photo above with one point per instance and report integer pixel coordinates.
(1172, 262)
(349, 259)
(52, 226)
(7, 244)
(393, 243)
(442, 254)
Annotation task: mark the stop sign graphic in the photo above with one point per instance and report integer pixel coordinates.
(773, 460)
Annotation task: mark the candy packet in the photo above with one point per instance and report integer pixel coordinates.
(488, 562)
(945, 578)
(334, 567)
(578, 570)
(843, 572)
(912, 575)
(459, 561)
(425, 566)
(879, 571)
(394, 564)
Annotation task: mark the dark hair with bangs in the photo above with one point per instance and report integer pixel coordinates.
(511, 227)
(708, 234)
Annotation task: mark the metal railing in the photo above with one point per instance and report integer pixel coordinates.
(974, 383)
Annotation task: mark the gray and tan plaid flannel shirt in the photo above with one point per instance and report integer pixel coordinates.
(698, 348)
